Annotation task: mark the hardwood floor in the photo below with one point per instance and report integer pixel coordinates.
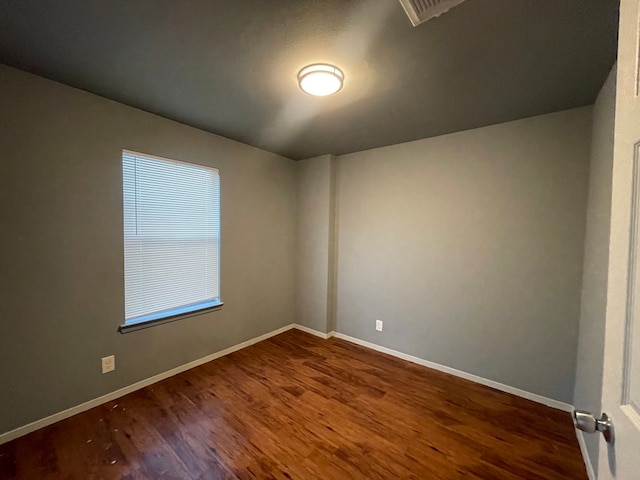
(299, 407)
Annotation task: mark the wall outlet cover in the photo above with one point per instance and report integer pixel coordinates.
(108, 364)
(379, 325)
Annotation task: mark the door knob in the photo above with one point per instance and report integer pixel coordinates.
(586, 422)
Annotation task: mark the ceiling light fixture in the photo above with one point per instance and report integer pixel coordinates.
(320, 79)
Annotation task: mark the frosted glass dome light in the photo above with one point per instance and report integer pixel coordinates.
(320, 79)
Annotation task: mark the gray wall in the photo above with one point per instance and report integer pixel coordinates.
(61, 278)
(588, 390)
(315, 270)
(469, 247)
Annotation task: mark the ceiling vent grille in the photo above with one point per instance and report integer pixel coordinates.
(419, 11)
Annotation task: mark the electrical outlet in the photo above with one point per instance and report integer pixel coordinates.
(108, 364)
(379, 325)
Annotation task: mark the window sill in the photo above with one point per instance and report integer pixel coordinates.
(142, 324)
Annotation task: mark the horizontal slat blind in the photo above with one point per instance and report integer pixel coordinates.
(171, 236)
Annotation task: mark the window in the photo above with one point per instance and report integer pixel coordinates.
(171, 239)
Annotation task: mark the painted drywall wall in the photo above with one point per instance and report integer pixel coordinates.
(469, 247)
(315, 249)
(62, 250)
(588, 389)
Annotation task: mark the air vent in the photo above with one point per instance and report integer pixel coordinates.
(419, 11)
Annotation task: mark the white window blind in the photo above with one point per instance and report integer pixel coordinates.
(171, 237)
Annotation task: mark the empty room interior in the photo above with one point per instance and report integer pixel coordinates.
(328, 239)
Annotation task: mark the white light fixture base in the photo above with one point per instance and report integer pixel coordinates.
(320, 79)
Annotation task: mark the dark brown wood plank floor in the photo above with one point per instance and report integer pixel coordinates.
(299, 407)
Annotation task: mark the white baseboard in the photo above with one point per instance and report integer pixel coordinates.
(585, 455)
(31, 427)
(313, 332)
(550, 402)
(56, 417)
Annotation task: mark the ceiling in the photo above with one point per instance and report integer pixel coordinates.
(229, 67)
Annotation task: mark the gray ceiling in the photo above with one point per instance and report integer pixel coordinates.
(230, 67)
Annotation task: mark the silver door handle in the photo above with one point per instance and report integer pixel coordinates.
(586, 422)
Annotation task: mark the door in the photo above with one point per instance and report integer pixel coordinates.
(621, 380)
